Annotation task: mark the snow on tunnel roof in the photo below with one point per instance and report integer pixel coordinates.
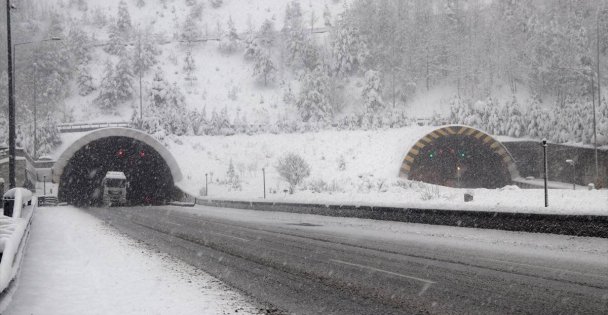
(115, 175)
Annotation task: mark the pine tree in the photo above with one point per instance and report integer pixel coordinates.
(231, 173)
(263, 67)
(189, 67)
(313, 102)
(157, 94)
(140, 3)
(348, 50)
(124, 78)
(79, 45)
(48, 136)
(229, 40)
(107, 100)
(266, 34)
(144, 54)
(116, 41)
(84, 81)
(251, 47)
(191, 29)
(123, 22)
(293, 34)
(372, 93)
(327, 16)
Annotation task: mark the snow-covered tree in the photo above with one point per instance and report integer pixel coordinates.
(229, 40)
(79, 45)
(116, 41)
(107, 100)
(326, 16)
(123, 78)
(84, 81)
(123, 21)
(216, 3)
(313, 103)
(191, 29)
(144, 56)
(293, 169)
(372, 93)
(263, 67)
(266, 34)
(48, 135)
(189, 67)
(349, 51)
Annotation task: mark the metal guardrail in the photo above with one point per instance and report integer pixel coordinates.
(80, 127)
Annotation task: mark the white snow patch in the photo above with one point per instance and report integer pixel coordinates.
(75, 264)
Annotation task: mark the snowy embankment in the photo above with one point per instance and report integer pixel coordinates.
(14, 232)
(75, 264)
(350, 167)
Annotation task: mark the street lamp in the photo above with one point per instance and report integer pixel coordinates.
(571, 162)
(11, 100)
(546, 176)
(264, 180)
(35, 86)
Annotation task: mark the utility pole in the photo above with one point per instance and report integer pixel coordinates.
(599, 93)
(546, 176)
(206, 186)
(11, 100)
(140, 71)
(35, 111)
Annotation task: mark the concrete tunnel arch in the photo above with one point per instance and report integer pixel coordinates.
(459, 156)
(159, 160)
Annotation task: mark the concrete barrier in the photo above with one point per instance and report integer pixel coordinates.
(579, 225)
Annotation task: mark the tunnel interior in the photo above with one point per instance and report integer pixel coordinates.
(149, 176)
(460, 161)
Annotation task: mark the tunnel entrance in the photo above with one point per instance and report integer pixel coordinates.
(459, 156)
(149, 176)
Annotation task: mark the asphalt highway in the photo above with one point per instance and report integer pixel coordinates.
(295, 268)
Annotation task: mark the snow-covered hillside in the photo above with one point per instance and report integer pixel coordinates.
(223, 80)
(348, 167)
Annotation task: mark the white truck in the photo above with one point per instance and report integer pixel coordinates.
(114, 189)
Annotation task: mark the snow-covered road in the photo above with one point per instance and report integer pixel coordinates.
(76, 264)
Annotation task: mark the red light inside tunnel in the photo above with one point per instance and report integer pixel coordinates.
(142, 153)
(120, 153)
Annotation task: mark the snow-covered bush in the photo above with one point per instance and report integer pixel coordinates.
(293, 169)
(429, 192)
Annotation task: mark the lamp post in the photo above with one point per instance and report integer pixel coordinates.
(571, 162)
(264, 179)
(546, 177)
(206, 186)
(11, 101)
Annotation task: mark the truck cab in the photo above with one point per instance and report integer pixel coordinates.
(114, 189)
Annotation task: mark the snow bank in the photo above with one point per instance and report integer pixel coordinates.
(351, 167)
(14, 234)
(76, 264)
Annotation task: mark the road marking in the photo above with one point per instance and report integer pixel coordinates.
(544, 267)
(384, 271)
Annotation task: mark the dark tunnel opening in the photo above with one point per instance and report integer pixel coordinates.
(460, 161)
(149, 176)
